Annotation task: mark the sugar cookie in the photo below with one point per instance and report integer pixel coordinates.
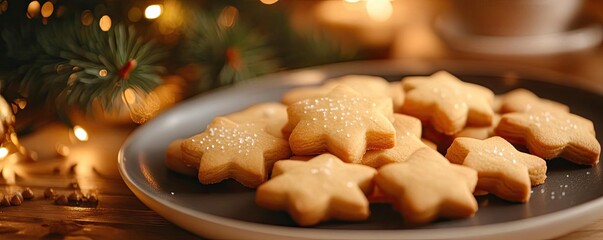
(502, 170)
(408, 133)
(365, 85)
(427, 187)
(447, 103)
(523, 100)
(320, 189)
(272, 114)
(243, 152)
(342, 122)
(551, 134)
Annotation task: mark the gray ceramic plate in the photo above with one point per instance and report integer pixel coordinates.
(570, 198)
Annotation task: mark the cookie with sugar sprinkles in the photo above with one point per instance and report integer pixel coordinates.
(446, 102)
(366, 85)
(552, 134)
(243, 152)
(502, 170)
(343, 123)
(271, 114)
(427, 187)
(523, 100)
(319, 189)
(408, 133)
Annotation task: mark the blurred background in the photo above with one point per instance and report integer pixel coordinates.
(126, 61)
(116, 64)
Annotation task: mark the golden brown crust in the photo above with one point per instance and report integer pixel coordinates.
(319, 189)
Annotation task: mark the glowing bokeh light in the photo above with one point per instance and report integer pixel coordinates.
(268, 2)
(80, 133)
(379, 10)
(129, 96)
(153, 11)
(105, 23)
(33, 9)
(3, 152)
(47, 9)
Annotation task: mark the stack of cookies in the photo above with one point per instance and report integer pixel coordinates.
(327, 152)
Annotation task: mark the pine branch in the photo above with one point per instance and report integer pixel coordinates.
(227, 54)
(71, 65)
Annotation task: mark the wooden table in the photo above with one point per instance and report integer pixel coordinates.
(89, 166)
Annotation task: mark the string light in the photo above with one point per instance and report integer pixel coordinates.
(3, 152)
(80, 133)
(105, 23)
(33, 9)
(129, 96)
(379, 10)
(153, 11)
(102, 72)
(268, 2)
(47, 9)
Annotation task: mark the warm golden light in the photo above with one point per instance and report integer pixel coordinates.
(105, 23)
(80, 133)
(379, 10)
(129, 96)
(33, 9)
(87, 18)
(352, 1)
(47, 9)
(3, 152)
(228, 16)
(22, 103)
(103, 72)
(153, 11)
(268, 2)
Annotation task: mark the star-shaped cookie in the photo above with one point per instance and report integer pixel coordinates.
(408, 133)
(447, 103)
(342, 122)
(371, 86)
(502, 170)
(427, 187)
(523, 100)
(317, 190)
(271, 114)
(244, 152)
(551, 134)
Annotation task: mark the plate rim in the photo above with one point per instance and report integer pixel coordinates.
(564, 220)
